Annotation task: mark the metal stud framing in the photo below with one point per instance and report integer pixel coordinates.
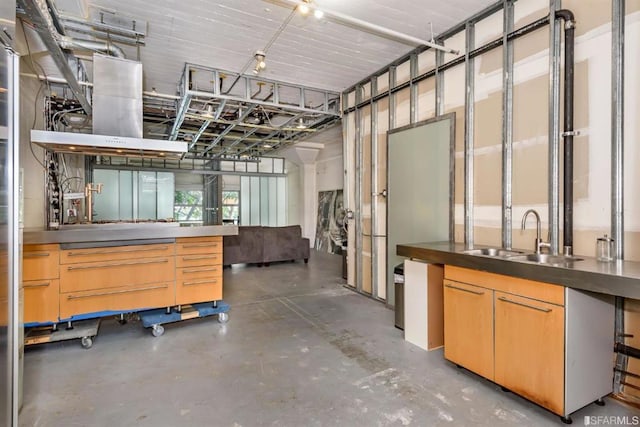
(413, 91)
(468, 133)
(617, 168)
(359, 140)
(507, 125)
(374, 187)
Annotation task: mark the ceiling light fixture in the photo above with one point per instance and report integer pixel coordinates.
(260, 63)
(303, 8)
(209, 112)
(318, 14)
(301, 124)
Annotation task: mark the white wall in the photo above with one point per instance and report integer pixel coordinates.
(329, 168)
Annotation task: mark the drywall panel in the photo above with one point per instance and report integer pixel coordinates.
(426, 99)
(403, 107)
(426, 61)
(489, 28)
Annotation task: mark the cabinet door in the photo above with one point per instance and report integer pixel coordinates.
(41, 301)
(529, 349)
(468, 327)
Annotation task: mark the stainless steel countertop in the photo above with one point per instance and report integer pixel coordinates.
(123, 232)
(620, 278)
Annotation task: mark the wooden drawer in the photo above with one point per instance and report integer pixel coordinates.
(512, 285)
(74, 256)
(150, 295)
(41, 303)
(40, 262)
(199, 245)
(114, 274)
(199, 260)
(192, 273)
(199, 290)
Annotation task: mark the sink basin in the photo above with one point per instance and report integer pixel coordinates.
(557, 260)
(493, 252)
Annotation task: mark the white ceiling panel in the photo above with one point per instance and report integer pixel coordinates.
(224, 34)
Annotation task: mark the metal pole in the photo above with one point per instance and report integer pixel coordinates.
(617, 169)
(374, 187)
(468, 134)
(413, 100)
(617, 127)
(507, 125)
(554, 125)
(439, 84)
(358, 175)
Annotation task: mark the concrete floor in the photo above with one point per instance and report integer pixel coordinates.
(299, 350)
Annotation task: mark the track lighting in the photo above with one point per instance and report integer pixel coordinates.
(303, 8)
(318, 14)
(307, 6)
(260, 63)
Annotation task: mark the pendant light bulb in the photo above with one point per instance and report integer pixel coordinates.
(303, 9)
(318, 14)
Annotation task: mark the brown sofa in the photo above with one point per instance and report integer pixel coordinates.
(263, 245)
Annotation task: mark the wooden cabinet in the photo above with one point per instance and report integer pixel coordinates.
(118, 278)
(468, 327)
(199, 269)
(548, 343)
(40, 282)
(60, 284)
(529, 349)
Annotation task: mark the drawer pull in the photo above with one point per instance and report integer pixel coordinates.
(200, 282)
(35, 254)
(124, 291)
(200, 245)
(194, 258)
(117, 251)
(465, 290)
(198, 270)
(119, 264)
(37, 285)
(533, 307)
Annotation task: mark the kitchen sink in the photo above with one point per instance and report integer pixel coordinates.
(493, 252)
(555, 260)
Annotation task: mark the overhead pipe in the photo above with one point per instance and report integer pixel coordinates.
(70, 43)
(568, 133)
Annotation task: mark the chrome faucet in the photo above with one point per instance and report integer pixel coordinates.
(539, 243)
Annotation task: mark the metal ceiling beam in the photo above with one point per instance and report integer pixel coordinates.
(182, 111)
(35, 14)
(229, 129)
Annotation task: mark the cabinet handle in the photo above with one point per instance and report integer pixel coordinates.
(465, 290)
(116, 251)
(35, 254)
(200, 282)
(125, 291)
(119, 264)
(200, 245)
(198, 270)
(194, 258)
(533, 307)
(37, 285)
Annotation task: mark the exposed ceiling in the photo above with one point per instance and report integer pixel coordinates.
(221, 38)
(225, 34)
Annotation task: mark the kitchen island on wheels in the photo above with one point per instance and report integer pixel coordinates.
(76, 275)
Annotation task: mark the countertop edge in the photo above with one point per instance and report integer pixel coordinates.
(582, 276)
(125, 233)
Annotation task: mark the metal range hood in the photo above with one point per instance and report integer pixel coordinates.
(117, 117)
(103, 145)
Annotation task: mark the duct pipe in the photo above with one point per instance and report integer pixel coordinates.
(66, 42)
(568, 133)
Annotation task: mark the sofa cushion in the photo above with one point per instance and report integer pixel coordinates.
(245, 247)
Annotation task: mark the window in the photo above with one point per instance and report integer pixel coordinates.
(188, 206)
(230, 206)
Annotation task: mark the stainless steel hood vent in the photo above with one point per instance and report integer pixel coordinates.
(95, 145)
(117, 117)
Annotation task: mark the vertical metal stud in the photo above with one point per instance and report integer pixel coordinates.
(358, 175)
(392, 97)
(468, 133)
(439, 82)
(554, 125)
(507, 125)
(617, 127)
(374, 186)
(413, 88)
(617, 168)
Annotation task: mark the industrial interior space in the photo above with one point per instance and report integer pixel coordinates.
(319, 212)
